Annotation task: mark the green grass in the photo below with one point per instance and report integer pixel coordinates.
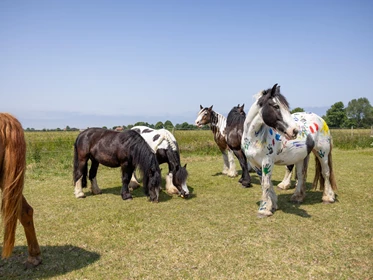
(215, 234)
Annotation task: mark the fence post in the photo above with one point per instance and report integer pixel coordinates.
(352, 130)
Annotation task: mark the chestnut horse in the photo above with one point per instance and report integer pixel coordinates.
(12, 175)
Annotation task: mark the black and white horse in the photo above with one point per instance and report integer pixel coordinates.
(273, 136)
(164, 145)
(217, 124)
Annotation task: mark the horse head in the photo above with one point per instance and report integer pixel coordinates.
(179, 177)
(204, 116)
(275, 112)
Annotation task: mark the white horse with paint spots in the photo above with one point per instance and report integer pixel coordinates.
(164, 145)
(273, 136)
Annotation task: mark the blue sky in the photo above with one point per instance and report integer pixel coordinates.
(95, 63)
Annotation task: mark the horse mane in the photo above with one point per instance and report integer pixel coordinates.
(265, 95)
(142, 155)
(236, 116)
(12, 171)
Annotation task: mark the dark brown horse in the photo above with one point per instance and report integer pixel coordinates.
(233, 132)
(127, 150)
(13, 204)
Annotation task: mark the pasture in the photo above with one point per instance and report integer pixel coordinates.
(215, 234)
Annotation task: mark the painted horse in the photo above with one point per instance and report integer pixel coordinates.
(127, 150)
(273, 136)
(233, 132)
(12, 175)
(164, 145)
(217, 124)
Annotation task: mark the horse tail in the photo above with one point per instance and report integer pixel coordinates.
(319, 178)
(12, 174)
(333, 182)
(76, 162)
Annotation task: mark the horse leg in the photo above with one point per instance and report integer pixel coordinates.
(126, 176)
(92, 177)
(26, 219)
(268, 203)
(232, 172)
(134, 183)
(286, 182)
(80, 178)
(326, 171)
(245, 179)
(300, 189)
(225, 161)
(170, 188)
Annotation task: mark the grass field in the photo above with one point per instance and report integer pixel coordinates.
(213, 235)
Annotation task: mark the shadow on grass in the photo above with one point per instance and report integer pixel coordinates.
(287, 206)
(139, 192)
(57, 260)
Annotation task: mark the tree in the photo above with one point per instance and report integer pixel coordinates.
(168, 125)
(296, 110)
(360, 112)
(336, 115)
(158, 125)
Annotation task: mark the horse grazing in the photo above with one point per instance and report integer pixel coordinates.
(13, 204)
(127, 150)
(273, 136)
(217, 124)
(164, 145)
(234, 131)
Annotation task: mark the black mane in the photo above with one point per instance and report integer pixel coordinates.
(236, 116)
(271, 93)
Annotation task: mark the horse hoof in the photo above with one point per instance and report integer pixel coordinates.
(32, 262)
(246, 184)
(80, 196)
(265, 213)
(327, 202)
(126, 197)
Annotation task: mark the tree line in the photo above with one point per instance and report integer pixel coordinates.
(357, 114)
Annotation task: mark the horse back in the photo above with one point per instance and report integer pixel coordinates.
(105, 146)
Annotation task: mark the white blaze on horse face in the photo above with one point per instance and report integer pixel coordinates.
(200, 116)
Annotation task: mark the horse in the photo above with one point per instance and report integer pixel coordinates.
(217, 124)
(165, 146)
(14, 205)
(127, 150)
(233, 132)
(273, 136)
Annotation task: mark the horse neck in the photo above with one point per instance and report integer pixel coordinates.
(253, 121)
(218, 123)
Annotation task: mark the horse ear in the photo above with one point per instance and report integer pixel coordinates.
(185, 166)
(200, 106)
(273, 90)
(210, 108)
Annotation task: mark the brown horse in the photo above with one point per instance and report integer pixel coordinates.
(13, 204)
